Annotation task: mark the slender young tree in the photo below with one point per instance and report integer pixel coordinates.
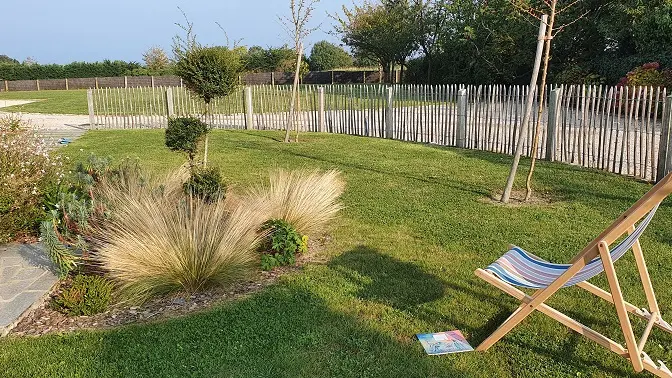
(550, 34)
(544, 41)
(522, 133)
(296, 26)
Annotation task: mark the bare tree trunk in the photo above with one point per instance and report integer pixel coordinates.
(528, 111)
(298, 111)
(537, 132)
(208, 111)
(295, 89)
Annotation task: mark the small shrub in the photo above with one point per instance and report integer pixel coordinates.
(308, 200)
(205, 184)
(649, 74)
(86, 295)
(157, 242)
(26, 170)
(281, 244)
(575, 74)
(184, 135)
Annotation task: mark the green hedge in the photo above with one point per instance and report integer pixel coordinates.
(106, 68)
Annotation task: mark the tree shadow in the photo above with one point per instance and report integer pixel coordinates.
(283, 332)
(453, 183)
(387, 280)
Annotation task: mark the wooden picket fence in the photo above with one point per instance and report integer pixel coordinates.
(624, 130)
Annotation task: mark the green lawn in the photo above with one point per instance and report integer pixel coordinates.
(49, 102)
(401, 262)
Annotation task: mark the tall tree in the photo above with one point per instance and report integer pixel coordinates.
(156, 59)
(385, 31)
(326, 56)
(430, 17)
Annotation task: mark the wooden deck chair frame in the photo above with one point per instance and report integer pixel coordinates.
(633, 350)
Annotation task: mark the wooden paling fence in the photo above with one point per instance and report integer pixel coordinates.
(625, 130)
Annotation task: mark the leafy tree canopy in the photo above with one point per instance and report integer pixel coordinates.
(326, 56)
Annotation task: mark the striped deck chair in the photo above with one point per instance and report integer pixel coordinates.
(519, 268)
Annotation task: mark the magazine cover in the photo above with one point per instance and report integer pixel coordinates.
(444, 343)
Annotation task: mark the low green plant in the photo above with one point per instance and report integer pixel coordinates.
(206, 184)
(184, 134)
(85, 295)
(62, 256)
(283, 242)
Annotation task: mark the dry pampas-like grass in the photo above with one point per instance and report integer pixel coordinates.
(308, 200)
(159, 241)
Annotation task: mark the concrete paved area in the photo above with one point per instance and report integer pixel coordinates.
(53, 127)
(26, 277)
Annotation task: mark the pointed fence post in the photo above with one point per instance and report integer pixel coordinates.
(249, 110)
(389, 114)
(554, 111)
(461, 134)
(89, 100)
(170, 106)
(664, 150)
(320, 114)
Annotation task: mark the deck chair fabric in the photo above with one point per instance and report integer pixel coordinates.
(523, 269)
(518, 268)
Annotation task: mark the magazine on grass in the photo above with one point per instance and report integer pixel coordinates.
(444, 343)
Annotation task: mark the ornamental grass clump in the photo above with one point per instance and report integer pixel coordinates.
(308, 200)
(159, 240)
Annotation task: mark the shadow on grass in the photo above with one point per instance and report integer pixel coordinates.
(454, 184)
(283, 332)
(387, 280)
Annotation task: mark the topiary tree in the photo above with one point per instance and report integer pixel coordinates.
(326, 56)
(184, 135)
(208, 72)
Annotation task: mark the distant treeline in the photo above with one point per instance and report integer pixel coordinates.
(107, 68)
(323, 57)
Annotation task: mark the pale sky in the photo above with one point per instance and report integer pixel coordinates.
(62, 31)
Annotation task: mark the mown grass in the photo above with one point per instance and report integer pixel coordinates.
(400, 262)
(48, 102)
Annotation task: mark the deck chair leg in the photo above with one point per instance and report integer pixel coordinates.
(512, 321)
(538, 298)
(624, 320)
(644, 274)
